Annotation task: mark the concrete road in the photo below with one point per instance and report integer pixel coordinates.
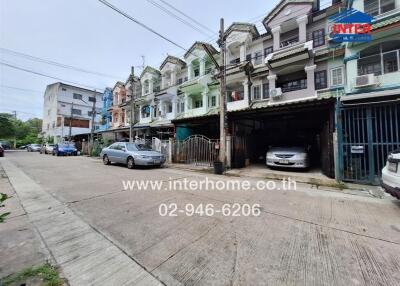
(302, 237)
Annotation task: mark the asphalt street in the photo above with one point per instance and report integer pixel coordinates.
(301, 237)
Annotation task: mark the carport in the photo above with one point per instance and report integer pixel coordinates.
(309, 123)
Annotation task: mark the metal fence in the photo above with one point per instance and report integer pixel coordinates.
(368, 134)
(197, 150)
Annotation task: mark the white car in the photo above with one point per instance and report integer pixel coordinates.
(47, 148)
(391, 174)
(288, 157)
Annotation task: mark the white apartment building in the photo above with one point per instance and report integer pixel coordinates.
(62, 102)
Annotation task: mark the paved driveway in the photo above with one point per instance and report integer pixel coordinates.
(303, 237)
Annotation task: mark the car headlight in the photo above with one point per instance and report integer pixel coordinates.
(142, 157)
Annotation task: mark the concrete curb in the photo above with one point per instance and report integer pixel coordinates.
(84, 255)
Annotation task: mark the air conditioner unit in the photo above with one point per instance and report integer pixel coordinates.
(365, 80)
(275, 93)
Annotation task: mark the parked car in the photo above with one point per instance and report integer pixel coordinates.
(131, 154)
(23, 147)
(47, 148)
(6, 145)
(33, 148)
(1, 151)
(288, 157)
(64, 149)
(391, 174)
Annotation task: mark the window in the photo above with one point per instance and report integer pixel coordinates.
(318, 38)
(235, 61)
(258, 58)
(294, 85)
(248, 57)
(320, 80)
(268, 51)
(376, 7)
(146, 111)
(265, 91)
(256, 92)
(289, 41)
(390, 62)
(62, 105)
(196, 71)
(169, 108)
(180, 80)
(379, 59)
(76, 111)
(92, 99)
(64, 89)
(337, 76)
(198, 103)
(182, 104)
(89, 113)
(213, 101)
(77, 96)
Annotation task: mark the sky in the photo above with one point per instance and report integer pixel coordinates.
(88, 35)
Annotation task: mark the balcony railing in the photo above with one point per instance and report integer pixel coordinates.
(295, 85)
(289, 42)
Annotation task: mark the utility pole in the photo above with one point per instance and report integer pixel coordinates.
(93, 118)
(70, 122)
(222, 101)
(132, 104)
(15, 137)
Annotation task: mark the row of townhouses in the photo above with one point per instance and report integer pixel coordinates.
(292, 85)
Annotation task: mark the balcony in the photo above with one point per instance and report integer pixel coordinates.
(292, 53)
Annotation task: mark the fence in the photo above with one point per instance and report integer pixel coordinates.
(197, 150)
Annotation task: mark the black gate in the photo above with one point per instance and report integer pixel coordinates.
(366, 136)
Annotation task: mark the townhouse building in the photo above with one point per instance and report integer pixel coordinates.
(282, 85)
(68, 109)
(116, 110)
(106, 117)
(198, 100)
(369, 114)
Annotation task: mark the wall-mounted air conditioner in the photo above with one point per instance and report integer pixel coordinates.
(365, 80)
(275, 93)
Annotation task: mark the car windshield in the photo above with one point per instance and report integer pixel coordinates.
(66, 145)
(51, 145)
(35, 145)
(137, 147)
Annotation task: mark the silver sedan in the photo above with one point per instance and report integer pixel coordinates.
(288, 157)
(131, 154)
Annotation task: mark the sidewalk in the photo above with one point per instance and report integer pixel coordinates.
(85, 256)
(20, 244)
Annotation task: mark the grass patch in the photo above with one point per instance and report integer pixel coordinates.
(46, 274)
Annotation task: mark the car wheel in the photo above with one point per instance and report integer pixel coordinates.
(57, 154)
(130, 163)
(106, 161)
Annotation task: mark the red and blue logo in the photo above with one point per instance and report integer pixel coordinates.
(351, 25)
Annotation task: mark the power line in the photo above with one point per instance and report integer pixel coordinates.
(18, 88)
(37, 59)
(49, 76)
(140, 23)
(187, 16)
(177, 17)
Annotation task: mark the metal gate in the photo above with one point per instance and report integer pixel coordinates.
(197, 150)
(366, 136)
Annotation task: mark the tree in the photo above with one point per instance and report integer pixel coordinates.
(7, 128)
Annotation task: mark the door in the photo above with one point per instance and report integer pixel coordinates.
(367, 134)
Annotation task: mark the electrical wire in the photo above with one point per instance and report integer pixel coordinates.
(18, 88)
(177, 17)
(187, 16)
(49, 76)
(50, 62)
(108, 4)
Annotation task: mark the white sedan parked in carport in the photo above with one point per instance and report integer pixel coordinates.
(288, 157)
(391, 174)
